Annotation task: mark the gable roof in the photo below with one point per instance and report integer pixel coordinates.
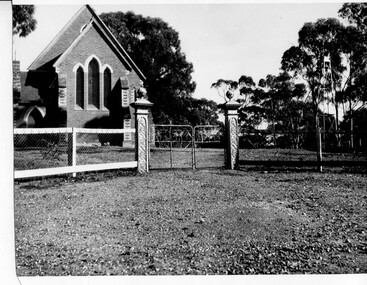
(67, 38)
(62, 40)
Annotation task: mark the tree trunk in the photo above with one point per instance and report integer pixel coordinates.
(337, 123)
(351, 124)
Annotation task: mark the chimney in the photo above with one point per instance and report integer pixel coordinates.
(16, 75)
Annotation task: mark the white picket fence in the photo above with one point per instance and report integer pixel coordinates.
(70, 142)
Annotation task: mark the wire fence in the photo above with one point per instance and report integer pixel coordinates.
(180, 146)
(300, 149)
(37, 148)
(209, 146)
(48, 149)
(94, 147)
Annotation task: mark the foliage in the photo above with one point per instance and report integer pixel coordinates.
(278, 102)
(155, 48)
(331, 62)
(360, 119)
(200, 111)
(346, 48)
(307, 60)
(272, 99)
(356, 13)
(354, 47)
(23, 21)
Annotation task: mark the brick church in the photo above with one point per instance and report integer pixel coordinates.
(83, 78)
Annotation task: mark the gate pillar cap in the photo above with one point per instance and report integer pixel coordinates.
(141, 103)
(230, 105)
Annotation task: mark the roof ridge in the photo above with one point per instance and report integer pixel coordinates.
(116, 42)
(60, 33)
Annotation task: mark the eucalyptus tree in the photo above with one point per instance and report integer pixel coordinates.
(23, 20)
(277, 100)
(354, 45)
(279, 96)
(356, 14)
(201, 112)
(317, 41)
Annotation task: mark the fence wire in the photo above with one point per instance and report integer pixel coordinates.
(96, 146)
(50, 148)
(40, 150)
(300, 148)
(209, 146)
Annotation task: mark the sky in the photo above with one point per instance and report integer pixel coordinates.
(220, 40)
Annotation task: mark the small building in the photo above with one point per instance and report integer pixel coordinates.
(83, 78)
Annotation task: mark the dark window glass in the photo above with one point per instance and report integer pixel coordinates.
(107, 86)
(93, 83)
(80, 87)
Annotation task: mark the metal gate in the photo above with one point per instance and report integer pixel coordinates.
(209, 146)
(184, 146)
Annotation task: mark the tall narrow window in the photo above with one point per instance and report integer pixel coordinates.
(93, 83)
(106, 85)
(80, 87)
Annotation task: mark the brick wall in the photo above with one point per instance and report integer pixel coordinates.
(93, 44)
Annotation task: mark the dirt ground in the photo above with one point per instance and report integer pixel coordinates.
(192, 222)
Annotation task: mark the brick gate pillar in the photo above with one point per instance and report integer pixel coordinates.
(142, 106)
(231, 133)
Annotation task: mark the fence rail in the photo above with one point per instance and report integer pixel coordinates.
(52, 151)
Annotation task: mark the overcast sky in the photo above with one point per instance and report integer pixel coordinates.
(221, 40)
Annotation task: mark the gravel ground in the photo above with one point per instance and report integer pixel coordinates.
(192, 222)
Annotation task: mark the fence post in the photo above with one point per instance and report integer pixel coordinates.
(72, 149)
(170, 144)
(193, 158)
(231, 134)
(319, 150)
(142, 107)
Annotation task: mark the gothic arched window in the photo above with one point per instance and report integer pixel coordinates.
(80, 87)
(93, 83)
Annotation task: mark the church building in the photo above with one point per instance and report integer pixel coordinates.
(83, 78)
